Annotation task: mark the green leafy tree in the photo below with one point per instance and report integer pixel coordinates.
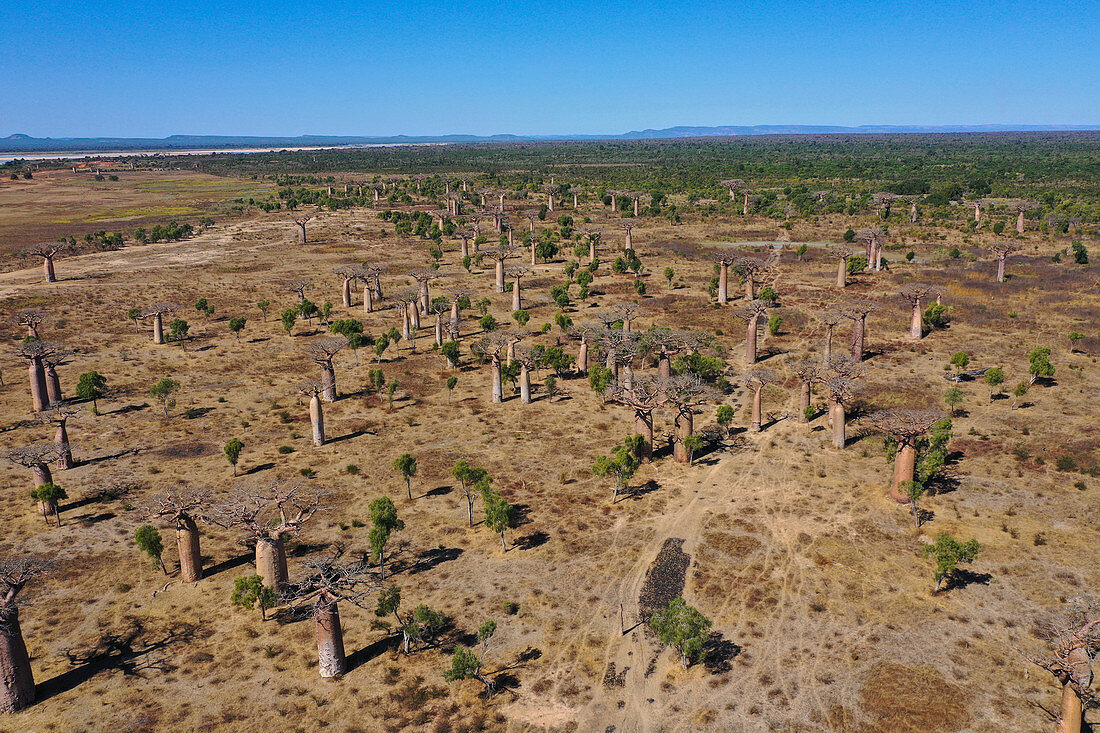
(994, 377)
(499, 514)
(1074, 338)
(178, 330)
(693, 443)
(948, 553)
(935, 316)
(684, 628)
(1039, 365)
(452, 382)
(264, 306)
(406, 466)
(390, 391)
(236, 325)
(250, 591)
(669, 273)
(134, 314)
(147, 538)
(801, 251)
(551, 387)
(163, 392)
(472, 481)
(521, 317)
(233, 453)
(620, 465)
(381, 345)
(599, 378)
(488, 322)
(290, 316)
(953, 397)
(452, 352)
(49, 496)
(774, 324)
(914, 490)
(384, 522)
(724, 416)
(92, 386)
(421, 625)
(960, 360)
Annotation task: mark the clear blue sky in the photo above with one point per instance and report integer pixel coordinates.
(99, 67)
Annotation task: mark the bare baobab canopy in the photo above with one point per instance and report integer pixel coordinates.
(688, 390)
(322, 350)
(16, 572)
(30, 456)
(327, 580)
(297, 285)
(516, 271)
(271, 509)
(857, 309)
(423, 275)
(1003, 248)
(646, 392)
(841, 251)
(48, 249)
(310, 387)
(753, 309)
(916, 292)
(672, 341)
(30, 317)
(178, 501)
(1072, 634)
(493, 343)
(760, 376)
(159, 309)
(907, 423)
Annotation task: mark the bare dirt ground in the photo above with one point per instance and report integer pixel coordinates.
(813, 577)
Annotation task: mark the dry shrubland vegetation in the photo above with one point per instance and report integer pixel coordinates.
(814, 579)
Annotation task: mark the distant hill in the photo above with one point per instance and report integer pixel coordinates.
(20, 143)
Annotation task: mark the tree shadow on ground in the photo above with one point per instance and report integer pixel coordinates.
(719, 653)
(228, 564)
(129, 652)
(257, 469)
(429, 559)
(963, 577)
(351, 435)
(88, 520)
(438, 491)
(128, 409)
(374, 650)
(531, 541)
(109, 457)
(638, 492)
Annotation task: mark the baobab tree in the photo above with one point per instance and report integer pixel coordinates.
(838, 376)
(157, 313)
(439, 307)
(31, 319)
(35, 353)
(907, 426)
(314, 389)
(498, 255)
(665, 343)
(1021, 207)
(551, 189)
(628, 228)
(830, 319)
(644, 395)
(406, 300)
(751, 314)
(348, 275)
(685, 392)
(458, 297)
(873, 239)
(913, 212)
(593, 236)
(372, 274)
(757, 379)
(297, 285)
(326, 584)
(53, 356)
(528, 360)
(620, 350)
(183, 506)
(842, 254)
(37, 458)
(493, 347)
(48, 251)
(857, 312)
(515, 335)
(1072, 635)
(734, 185)
(915, 293)
(321, 352)
(301, 222)
(266, 515)
(59, 414)
(465, 235)
(884, 200)
(423, 277)
(625, 312)
(587, 335)
(516, 273)
(1002, 250)
(807, 373)
(16, 677)
(724, 261)
(750, 268)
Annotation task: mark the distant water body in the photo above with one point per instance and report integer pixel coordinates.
(83, 155)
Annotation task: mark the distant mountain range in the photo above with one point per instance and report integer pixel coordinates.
(27, 144)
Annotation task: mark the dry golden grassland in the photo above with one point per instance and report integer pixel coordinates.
(813, 577)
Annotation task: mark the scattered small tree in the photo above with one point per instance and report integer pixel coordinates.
(92, 386)
(1039, 365)
(405, 464)
(147, 538)
(162, 391)
(264, 306)
(684, 628)
(953, 397)
(236, 325)
(466, 665)
(948, 553)
(49, 496)
(622, 465)
(178, 330)
(250, 591)
(994, 377)
(233, 453)
(384, 521)
(499, 514)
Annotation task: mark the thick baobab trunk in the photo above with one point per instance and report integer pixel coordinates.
(804, 401)
(842, 273)
(517, 300)
(859, 329)
(158, 328)
(331, 661)
(500, 276)
(628, 376)
(42, 475)
(684, 425)
(916, 323)
(591, 252)
(328, 381)
(425, 299)
(750, 288)
(582, 357)
(613, 202)
(378, 286)
(745, 211)
(532, 252)
(1070, 716)
(636, 210)
(64, 450)
(750, 341)
(465, 248)
(913, 213)
(187, 543)
(414, 315)
(302, 233)
(438, 329)
(828, 345)
(1000, 269)
(524, 384)
(754, 424)
(37, 374)
(643, 426)
(905, 464)
(406, 331)
(1019, 223)
(16, 677)
(575, 201)
(498, 388)
(664, 366)
(977, 212)
(346, 293)
(47, 269)
(368, 299)
(549, 202)
(271, 562)
(317, 419)
(839, 420)
(629, 239)
(53, 383)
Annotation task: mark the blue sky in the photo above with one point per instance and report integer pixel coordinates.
(285, 68)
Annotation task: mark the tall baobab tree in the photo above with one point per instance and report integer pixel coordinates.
(915, 293)
(685, 392)
(750, 269)
(423, 277)
(35, 352)
(54, 355)
(587, 336)
(16, 677)
(573, 191)
(745, 208)
(620, 350)
(267, 515)
(593, 236)
(724, 261)
(830, 319)
(884, 200)
(644, 395)
(157, 313)
(838, 376)
(465, 235)
(348, 275)
(914, 213)
(842, 254)
(516, 273)
(807, 372)
(665, 343)
(637, 198)
(734, 185)
(1021, 207)
(757, 379)
(628, 227)
(183, 506)
(406, 301)
(856, 312)
(372, 288)
(314, 389)
(625, 312)
(1072, 635)
(326, 584)
(872, 239)
(321, 352)
(439, 307)
(37, 458)
(515, 335)
(528, 360)
(458, 297)
(1002, 250)
(297, 285)
(48, 251)
(907, 426)
(498, 255)
(614, 199)
(59, 414)
(301, 221)
(493, 346)
(31, 319)
(551, 190)
(751, 314)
